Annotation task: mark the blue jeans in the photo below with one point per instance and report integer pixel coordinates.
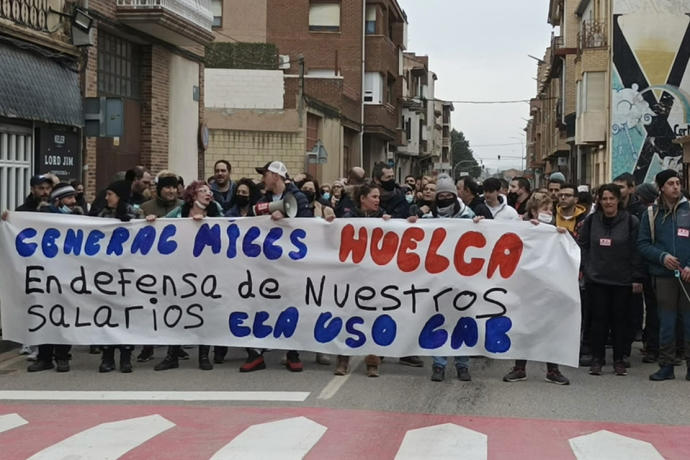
(460, 361)
(671, 301)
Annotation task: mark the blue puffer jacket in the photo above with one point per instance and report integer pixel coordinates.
(671, 236)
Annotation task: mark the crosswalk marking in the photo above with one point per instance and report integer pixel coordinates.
(286, 439)
(107, 440)
(440, 442)
(612, 446)
(291, 396)
(10, 421)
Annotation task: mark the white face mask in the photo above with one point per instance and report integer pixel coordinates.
(545, 217)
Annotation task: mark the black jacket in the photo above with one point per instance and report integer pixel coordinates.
(480, 209)
(609, 249)
(394, 204)
(30, 204)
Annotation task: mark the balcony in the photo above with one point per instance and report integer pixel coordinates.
(179, 22)
(592, 35)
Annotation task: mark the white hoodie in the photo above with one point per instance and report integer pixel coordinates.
(503, 211)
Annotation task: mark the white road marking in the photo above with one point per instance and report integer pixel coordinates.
(612, 446)
(339, 380)
(287, 439)
(107, 440)
(440, 442)
(292, 396)
(9, 421)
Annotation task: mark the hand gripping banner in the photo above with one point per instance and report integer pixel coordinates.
(354, 286)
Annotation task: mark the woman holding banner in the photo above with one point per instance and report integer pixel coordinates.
(539, 209)
(367, 201)
(117, 206)
(613, 271)
(198, 204)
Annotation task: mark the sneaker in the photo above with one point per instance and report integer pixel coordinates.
(518, 374)
(664, 373)
(619, 368)
(438, 373)
(33, 356)
(412, 361)
(464, 374)
(168, 363)
(253, 363)
(595, 369)
(40, 366)
(26, 350)
(372, 370)
(294, 364)
(323, 359)
(106, 366)
(556, 377)
(62, 365)
(145, 355)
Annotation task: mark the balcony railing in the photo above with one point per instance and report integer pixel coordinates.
(195, 11)
(593, 35)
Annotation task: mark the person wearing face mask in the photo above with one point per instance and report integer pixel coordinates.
(309, 188)
(326, 194)
(392, 196)
(538, 210)
(518, 194)
(246, 195)
(447, 205)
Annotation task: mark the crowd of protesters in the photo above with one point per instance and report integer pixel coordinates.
(634, 240)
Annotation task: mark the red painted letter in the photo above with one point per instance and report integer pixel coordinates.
(469, 239)
(385, 253)
(435, 263)
(409, 261)
(348, 244)
(506, 255)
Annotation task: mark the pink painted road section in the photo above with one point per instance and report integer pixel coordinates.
(199, 431)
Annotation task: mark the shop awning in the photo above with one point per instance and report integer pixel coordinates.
(36, 87)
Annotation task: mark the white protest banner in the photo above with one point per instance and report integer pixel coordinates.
(354, 286)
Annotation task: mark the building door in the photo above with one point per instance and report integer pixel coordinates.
(119, 154)
(16, 152)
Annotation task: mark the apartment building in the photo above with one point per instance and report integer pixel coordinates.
(342, 60)
(630, 86)
(422, 121)
(96, 87)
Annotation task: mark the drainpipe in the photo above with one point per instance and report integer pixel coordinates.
(364, 39)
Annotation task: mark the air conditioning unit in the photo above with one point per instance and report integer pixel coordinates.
(283, 61)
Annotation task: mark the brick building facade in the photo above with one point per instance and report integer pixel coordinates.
(148, 57)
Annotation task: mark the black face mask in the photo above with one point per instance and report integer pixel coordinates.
(310, 196)
(445, 203)
(389, 185)
(512, 198)
(241, 200)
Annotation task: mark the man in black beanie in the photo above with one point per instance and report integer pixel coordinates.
(664, 242)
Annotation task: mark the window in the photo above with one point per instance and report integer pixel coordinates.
(217, 11)
(118, 67)
(324, 16)
(371, 20)
(373, 88)
(591, 92)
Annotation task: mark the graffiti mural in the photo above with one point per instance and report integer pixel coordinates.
(650, 100)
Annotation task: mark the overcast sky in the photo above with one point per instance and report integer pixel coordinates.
(478, 50)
